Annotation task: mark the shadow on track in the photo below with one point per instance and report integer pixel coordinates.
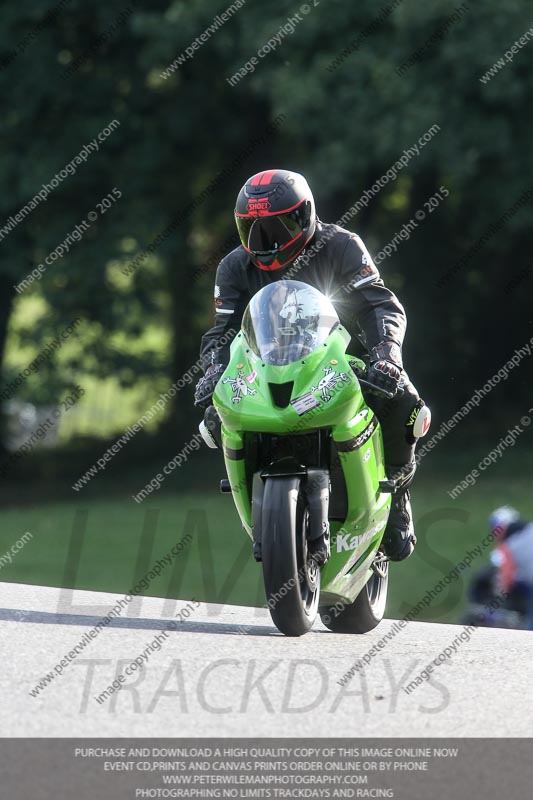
(139, 623)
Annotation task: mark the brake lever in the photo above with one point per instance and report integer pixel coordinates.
(379, 390)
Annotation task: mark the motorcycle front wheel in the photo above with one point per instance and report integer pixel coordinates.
(292, 580)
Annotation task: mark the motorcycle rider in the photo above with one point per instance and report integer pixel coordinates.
(282, 238)
(512, 558)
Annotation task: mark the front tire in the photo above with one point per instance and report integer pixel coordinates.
(292, 581)
(368, 608)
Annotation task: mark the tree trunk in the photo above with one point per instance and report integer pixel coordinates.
(185, 339)
(6, 305)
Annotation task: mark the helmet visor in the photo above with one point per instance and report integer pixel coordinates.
(265, 235)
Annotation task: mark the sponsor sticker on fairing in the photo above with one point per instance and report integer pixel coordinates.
(346, 542)
(304, 403)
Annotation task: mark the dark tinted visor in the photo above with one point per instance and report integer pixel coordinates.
(269, 234)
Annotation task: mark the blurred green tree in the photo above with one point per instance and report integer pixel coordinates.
(186, 140)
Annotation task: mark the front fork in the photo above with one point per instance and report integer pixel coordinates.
(316, 488)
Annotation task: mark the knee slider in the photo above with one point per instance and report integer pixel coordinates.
(210, 428)
(418, 422)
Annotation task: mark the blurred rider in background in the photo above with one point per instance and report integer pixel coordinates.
(513, 557)
(511, 567)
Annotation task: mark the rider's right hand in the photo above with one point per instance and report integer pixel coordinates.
(206, 385)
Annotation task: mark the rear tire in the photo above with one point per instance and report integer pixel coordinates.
(368, 608)
(292, 581)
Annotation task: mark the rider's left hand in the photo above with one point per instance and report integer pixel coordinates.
(386, 369)
(385, 376)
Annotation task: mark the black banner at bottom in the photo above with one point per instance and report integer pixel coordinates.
(406, 769)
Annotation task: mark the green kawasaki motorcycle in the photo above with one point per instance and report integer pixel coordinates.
(304, 458)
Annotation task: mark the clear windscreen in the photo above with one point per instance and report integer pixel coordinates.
(286, 321)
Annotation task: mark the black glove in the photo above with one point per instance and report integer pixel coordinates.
(385, 373)
(206, 385)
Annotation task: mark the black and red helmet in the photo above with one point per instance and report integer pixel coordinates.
(275, 216)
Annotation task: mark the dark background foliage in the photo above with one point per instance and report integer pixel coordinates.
(81, 66)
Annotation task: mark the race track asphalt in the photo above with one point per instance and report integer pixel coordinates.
(226, 671)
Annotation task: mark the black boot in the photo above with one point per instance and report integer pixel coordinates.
(399, 539)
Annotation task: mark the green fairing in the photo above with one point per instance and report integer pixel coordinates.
(354, 542)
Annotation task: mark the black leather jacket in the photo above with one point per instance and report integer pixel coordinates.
(336, 263)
